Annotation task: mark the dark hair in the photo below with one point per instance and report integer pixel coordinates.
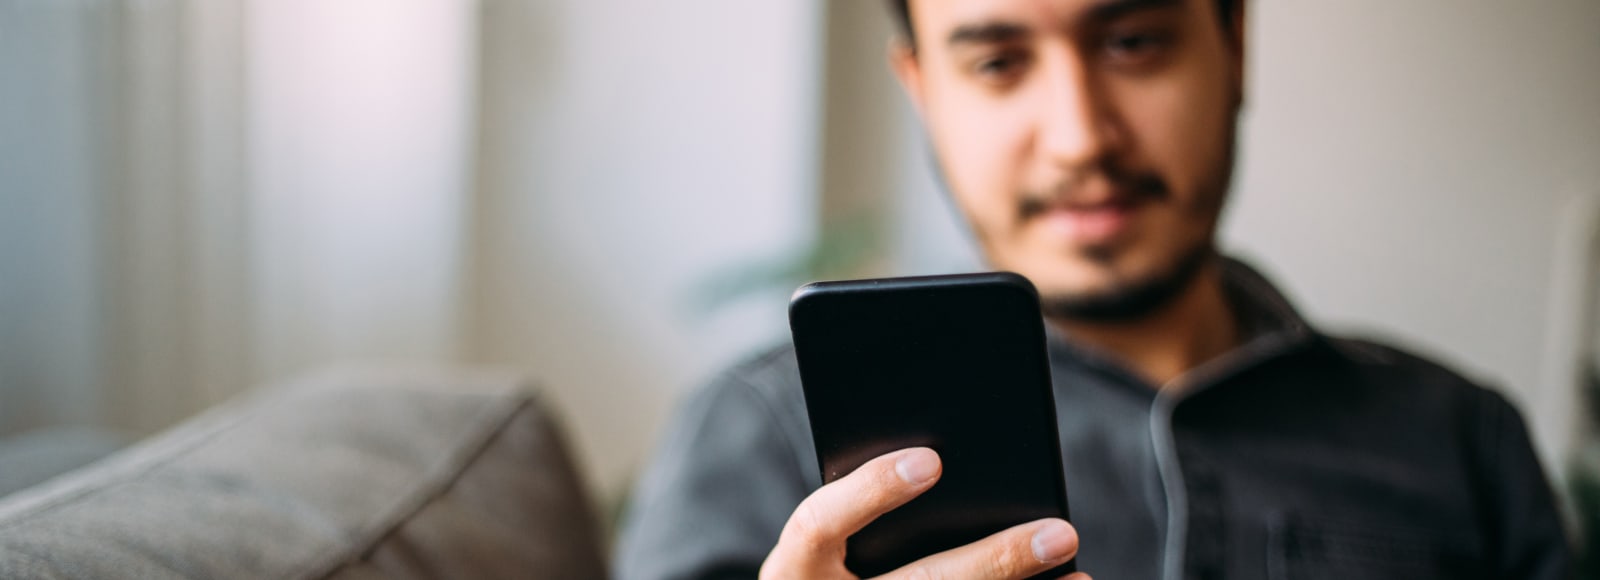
(902, 15)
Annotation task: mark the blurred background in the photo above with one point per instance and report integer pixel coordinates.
(617, 196)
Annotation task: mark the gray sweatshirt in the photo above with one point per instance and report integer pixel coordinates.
(1296, 456)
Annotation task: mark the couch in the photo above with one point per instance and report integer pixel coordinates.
(346, 474)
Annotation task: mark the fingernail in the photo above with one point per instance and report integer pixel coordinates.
(1054, 541)
(917, 467)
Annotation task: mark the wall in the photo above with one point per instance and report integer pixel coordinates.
(629, 150)
(359, 118)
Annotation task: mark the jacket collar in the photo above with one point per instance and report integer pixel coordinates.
(1270, 326)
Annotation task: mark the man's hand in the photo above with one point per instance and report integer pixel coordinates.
(813, 541)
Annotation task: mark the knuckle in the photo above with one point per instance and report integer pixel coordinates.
(1012, 556)
(807, 529)
(920, 572)
(803, 524)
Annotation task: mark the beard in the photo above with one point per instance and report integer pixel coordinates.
(1133, 298)
(1130, 300)
(1137, 298)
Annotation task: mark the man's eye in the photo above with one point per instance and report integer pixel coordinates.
(1135, 48)
(999, 67)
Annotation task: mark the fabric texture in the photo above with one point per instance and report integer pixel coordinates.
(345, 475)
(1296, 456)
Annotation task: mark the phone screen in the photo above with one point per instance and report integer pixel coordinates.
(954, 363)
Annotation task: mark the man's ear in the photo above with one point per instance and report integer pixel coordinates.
(908, 70)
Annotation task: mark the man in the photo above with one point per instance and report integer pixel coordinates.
(1206, 430)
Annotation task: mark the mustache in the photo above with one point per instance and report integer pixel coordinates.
(1134, 186)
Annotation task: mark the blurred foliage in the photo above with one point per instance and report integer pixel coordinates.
(849, 247)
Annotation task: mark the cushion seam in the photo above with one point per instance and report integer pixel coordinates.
(161, 457)
(440, 478)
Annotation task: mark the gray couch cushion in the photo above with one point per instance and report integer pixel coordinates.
(344, 475)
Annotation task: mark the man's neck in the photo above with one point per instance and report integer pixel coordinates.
(1197, 326)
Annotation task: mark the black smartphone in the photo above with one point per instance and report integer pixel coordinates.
(954, 363)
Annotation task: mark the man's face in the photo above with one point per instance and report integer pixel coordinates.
(1088, 142)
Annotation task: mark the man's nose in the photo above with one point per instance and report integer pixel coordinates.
(1077, 127)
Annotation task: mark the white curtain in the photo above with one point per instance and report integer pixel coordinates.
(197, 195)
(200, 195)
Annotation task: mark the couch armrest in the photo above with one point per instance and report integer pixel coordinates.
(347, 474)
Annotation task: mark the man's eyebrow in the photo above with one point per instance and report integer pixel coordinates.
(994, 32)
(987, 33)
(1109, 10)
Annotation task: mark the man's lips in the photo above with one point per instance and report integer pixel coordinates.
(1089, 223)
(1096, 209)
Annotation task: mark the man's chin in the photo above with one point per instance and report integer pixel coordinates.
(1082, 280)
(1099, 294)
(1110, 307)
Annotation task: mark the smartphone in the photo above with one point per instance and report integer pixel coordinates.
(954, 363)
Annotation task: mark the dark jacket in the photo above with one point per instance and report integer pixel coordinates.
(1297, 456)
